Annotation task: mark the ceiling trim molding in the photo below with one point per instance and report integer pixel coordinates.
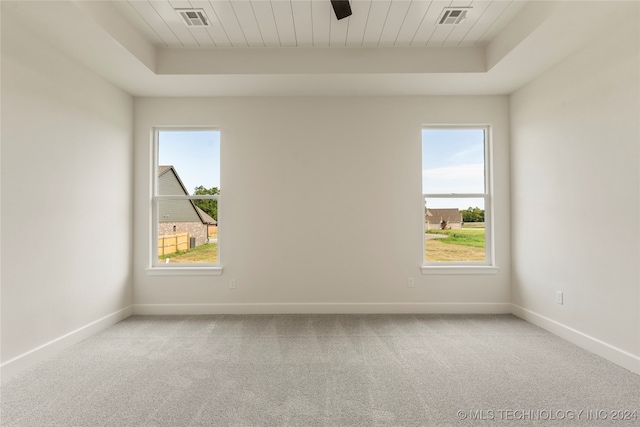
(320, 60)
(115, 25)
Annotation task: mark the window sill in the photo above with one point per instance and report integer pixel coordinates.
(184, 271)
(459, 269)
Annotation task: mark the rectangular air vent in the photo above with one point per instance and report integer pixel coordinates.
(453, 15)
(194, 17)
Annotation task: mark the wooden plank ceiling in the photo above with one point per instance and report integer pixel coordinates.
(312, 23)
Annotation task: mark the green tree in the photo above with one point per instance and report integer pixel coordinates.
(472, 214)
(208, 205)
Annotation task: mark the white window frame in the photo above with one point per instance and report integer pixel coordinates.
(466, 267)
(177, 269)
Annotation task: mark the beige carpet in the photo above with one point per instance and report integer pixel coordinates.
(331, 370)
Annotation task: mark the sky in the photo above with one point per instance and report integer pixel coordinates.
(453, 162)
(195, 155)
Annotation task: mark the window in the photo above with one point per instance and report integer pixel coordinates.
(186, 196)
(457, 198)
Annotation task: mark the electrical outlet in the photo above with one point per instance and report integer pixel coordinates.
(410, 282)
(559, 298)
(232, 284)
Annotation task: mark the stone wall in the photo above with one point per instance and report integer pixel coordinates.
(195, 229)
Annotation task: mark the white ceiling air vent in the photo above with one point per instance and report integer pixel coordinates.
(453, 15)
(194, 17)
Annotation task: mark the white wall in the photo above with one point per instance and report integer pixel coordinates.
(66, 199)
(575, 192)
(321, 204)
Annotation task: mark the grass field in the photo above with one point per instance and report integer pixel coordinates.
(459, 245)
(202, 253)
(473, 225)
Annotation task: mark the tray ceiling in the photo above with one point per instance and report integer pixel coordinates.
(311, 23)
(299, 48)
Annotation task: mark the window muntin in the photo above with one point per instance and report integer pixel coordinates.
(457, 202)
(186, 195)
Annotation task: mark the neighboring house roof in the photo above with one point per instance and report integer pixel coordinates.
(163, 169)
(206, 219)
(436, 216)
(180, 209)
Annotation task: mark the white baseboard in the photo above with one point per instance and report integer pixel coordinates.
(50, 349)
(322, 308)
(589, 343)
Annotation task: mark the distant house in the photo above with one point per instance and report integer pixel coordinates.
(180, 216)
(443, 219)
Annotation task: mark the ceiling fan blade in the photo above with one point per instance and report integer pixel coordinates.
(342, 8)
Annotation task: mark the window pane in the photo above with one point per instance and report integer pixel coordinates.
(454, 230)
(453, 161)
(188, 164)
(186, 235)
